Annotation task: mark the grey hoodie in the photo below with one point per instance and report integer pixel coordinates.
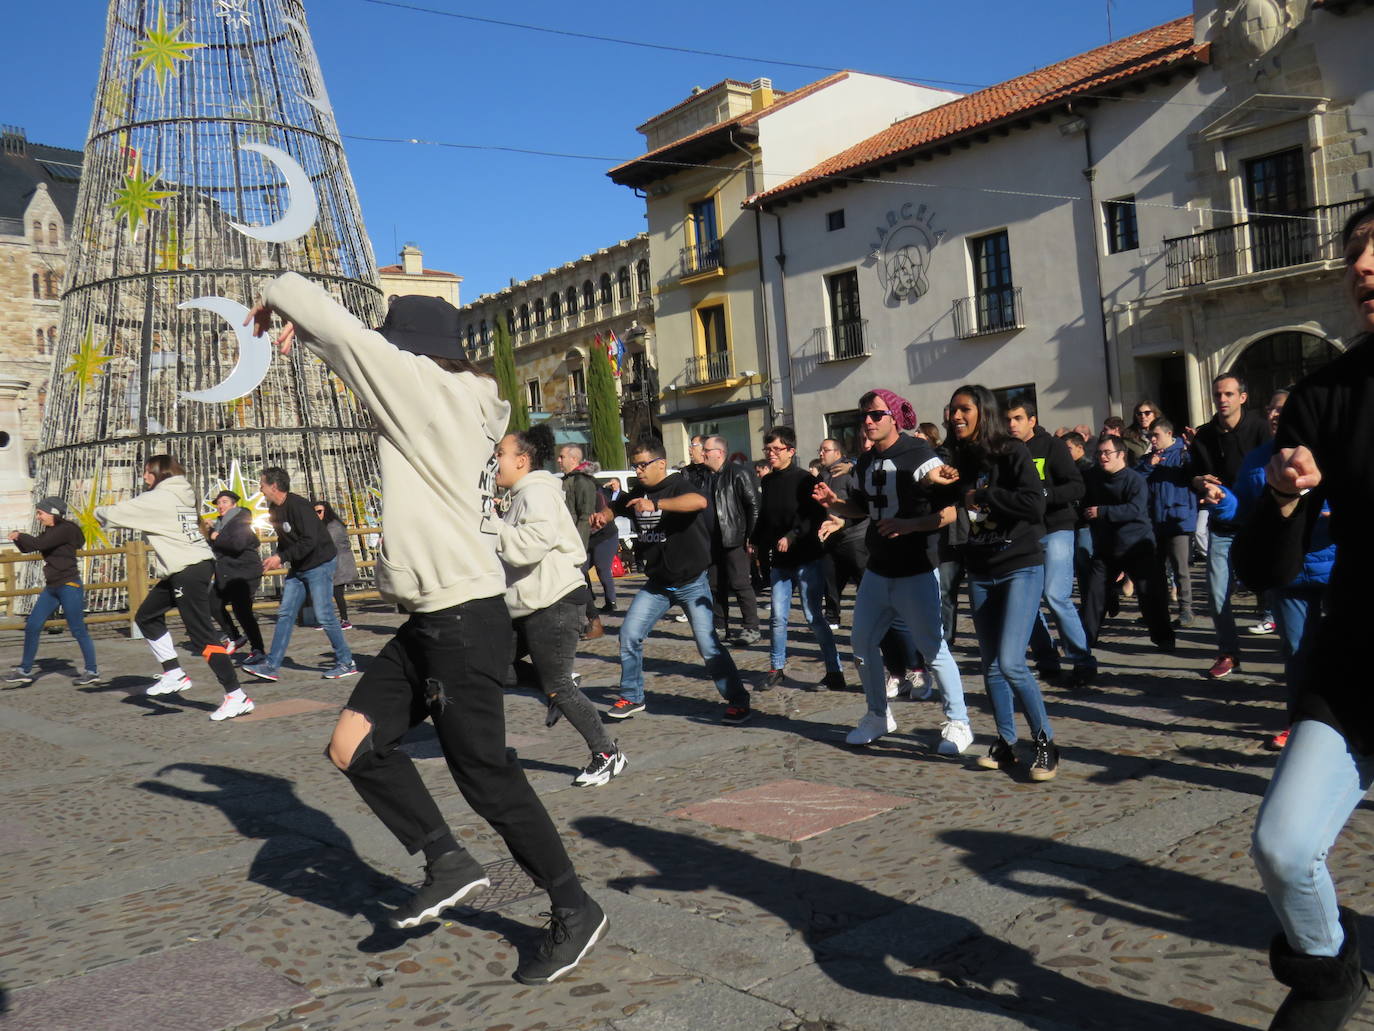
(169, 516)
(539, 545)
(439, 432)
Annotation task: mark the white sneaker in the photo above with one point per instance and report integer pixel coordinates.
(871, 728)
(172, 682)
(955, 736)
(920, 685)
(231, 707)
(892, 684)
(681, 617)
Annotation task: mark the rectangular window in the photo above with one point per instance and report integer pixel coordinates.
(711, 363)
(712, 322)
(534, 396)
(994, 292)
(703, 253)
(834, 220)
(703, 219)
(1010, 397)
(1121, 228)
(846, 323)
(1275, 185)
(844, 427)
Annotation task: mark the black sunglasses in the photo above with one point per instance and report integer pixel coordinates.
(876, 416)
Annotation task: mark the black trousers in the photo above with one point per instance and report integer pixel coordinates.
(447, 666)
(239, 595)
(1148, 575)
(189, 592)
(730, 572)
(600, 554)
(549, 637)
(846, 558)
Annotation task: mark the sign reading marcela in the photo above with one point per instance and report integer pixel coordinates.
(902, 253)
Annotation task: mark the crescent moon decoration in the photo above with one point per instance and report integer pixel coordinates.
(255, 353)
(321, 102)
(303, 207)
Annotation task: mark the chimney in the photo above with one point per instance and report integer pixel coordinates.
(760, 94)
(13, 140)
(412, 260)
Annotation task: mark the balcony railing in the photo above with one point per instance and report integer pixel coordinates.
(575, 404)
(707, 256)
(846, 339)
(989, 311)
(1257, 245)
(708, 368)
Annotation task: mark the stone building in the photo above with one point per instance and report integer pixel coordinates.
(1126, 223)
(411, 277)
(37, 200)
(558, 316)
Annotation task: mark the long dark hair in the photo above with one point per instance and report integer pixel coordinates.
(330, 516)
(162, 466)
(990, 436)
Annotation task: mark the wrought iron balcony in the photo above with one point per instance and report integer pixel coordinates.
(714, 367)
(575, 404)
(1259, 244)
(706, 256)
(846, 339)
(989, 311)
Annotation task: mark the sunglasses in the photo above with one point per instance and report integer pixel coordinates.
(876, 416)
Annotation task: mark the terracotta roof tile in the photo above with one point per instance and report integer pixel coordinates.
(1157, 48)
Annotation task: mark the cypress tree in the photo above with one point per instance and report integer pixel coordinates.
(508, 384)
(603, 409)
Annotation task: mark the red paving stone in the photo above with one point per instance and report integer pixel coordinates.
(285, 707)
(203, 987)
(792, 810)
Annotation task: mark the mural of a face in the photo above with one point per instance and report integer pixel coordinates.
(905, 253)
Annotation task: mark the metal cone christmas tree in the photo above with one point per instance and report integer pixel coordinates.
(213, 164)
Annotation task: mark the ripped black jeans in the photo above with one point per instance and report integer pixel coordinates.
(448, 666)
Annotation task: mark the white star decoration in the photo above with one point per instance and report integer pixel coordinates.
(232, 11)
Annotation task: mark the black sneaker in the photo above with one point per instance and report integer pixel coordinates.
(745, 638)
(448, 880)
(601, 769)
(736, 714)
(771, 681)
(21, 676)
(1046, 762)
(833, 681)
(1049, 674)
(1081, 677)
(567, 937)
(89, 677)
(1001, 756)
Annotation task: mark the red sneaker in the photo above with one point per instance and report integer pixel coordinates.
(1223, 667)
(1276, 743)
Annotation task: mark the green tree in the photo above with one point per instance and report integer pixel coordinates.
(508, 384)
(603, 409)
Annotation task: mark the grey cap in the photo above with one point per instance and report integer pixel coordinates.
(53, 506)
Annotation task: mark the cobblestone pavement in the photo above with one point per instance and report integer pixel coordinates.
(165, 872)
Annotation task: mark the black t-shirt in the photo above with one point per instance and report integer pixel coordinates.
(887, 483)
(675, 547)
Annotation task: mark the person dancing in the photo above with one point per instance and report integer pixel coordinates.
(238, 573)
(166, 514)
(438, 562)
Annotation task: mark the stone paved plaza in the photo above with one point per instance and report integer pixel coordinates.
(169, 874)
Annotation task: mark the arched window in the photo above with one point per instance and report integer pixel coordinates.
(510, 319)
(642, 274)
(54, 237)
(539, 312)
(572, 300)
(37, 285)
(40, 341)
(472, 339)
(37, 232)
(556, 305)
(588, 295)
(482, 332)
(52, 339)
(1280, 360)
(49, 285)
(605, 288)
(524, 316)
(623, 282)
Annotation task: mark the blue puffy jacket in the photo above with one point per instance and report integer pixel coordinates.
(1173, 505)
(1317, 563)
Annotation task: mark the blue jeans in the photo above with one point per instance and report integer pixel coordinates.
(1298, 612)
(882, 602)
(72, 598)
(1058, 548)
(1316, 786)
(1004, 610)
(809, 577)
(1219, 591)
(319, 582)
(652, 601)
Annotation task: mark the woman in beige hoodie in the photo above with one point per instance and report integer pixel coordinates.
(170, 518)
(538, 543)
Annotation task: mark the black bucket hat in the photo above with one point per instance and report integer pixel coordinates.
(424, 325)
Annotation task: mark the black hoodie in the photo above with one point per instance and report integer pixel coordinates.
(1059, 478)
(788, 510)
(59, 544)
(302, 538)
(1007, 490)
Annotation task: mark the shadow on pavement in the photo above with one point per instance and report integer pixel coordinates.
(807, 900)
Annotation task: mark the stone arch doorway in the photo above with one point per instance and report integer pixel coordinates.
(1280, 360)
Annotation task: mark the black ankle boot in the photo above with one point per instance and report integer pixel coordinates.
(1326, 990)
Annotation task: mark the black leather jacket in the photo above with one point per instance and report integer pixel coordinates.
(736, 497)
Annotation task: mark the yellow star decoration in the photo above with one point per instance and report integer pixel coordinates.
(114, 102)
(171, 255)
(138, 198)
(250, 498)
(161, 49)
(88, 364)
(84, 514)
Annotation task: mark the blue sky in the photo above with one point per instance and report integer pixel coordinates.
(491, 215)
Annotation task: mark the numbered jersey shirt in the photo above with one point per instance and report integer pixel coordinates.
(169, 516)
(888, 484)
